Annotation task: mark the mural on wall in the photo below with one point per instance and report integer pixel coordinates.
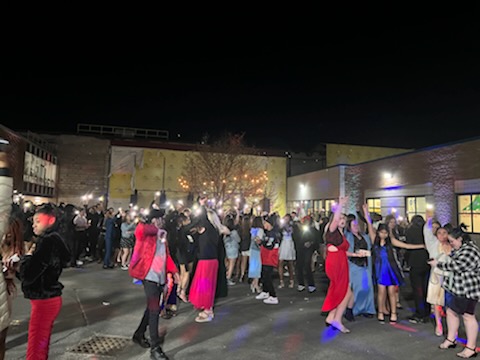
(157, 170)
(39, 171)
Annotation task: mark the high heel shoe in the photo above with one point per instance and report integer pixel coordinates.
(381, 318)
(182, 296)
(468, 357)
(342, 329)
(393, 321)
(451, 345)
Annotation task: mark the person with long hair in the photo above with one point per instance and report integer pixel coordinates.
(287, 254)
(255, 263)
(127, 242)
(204, 283)
(7, 287)
(12, 247)
(388, 274)
(462, 290)
(242, 264)
(185, 254)
(336, 268)
(391, 222)
(438, 247)
(360, 272)
(232, 246)
(419, 270)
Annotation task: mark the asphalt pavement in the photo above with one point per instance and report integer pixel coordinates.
(102, 308)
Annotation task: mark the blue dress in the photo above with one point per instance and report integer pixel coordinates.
(255, 261)
(385, 274)
(361, 279)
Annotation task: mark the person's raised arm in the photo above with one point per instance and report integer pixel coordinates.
(337, 214)
(371, 231)
(431, 241)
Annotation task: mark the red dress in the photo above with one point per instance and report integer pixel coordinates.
(336, 268)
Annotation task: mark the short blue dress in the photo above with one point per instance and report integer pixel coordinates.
(386, 273)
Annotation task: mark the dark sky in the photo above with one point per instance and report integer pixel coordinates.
(400, 82)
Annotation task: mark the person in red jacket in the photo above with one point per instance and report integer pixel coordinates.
(151, 263)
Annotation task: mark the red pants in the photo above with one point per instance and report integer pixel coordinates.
(42, 315)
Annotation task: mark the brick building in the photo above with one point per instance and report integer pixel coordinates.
(444, 178)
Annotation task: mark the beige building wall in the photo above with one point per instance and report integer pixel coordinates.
(343, 154)
(148, 177)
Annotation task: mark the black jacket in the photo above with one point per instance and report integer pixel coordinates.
(417, 258)
(39, 273)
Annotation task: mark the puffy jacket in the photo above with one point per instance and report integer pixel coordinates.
(144, 252)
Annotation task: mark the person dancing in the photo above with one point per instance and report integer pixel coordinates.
(336, 268)
(204, 282)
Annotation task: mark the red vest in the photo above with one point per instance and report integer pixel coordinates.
(144, 252)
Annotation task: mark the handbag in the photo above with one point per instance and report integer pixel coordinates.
(269, 256)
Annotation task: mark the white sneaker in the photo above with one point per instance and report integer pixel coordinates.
(300, 287)
(79, 262)
(312, 289)
(263, 295)
(124, 267)
(271, 300)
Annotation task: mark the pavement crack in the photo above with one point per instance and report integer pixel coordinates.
(79, 302)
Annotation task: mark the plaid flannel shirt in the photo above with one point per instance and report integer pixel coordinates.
(465, 267)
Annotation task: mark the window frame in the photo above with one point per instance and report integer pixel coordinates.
(407, 213)
(374, 209)
(469, 231)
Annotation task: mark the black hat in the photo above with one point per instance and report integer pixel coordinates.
(154, 214)
(272, 220)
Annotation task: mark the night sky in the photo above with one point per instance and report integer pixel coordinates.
(393, 82)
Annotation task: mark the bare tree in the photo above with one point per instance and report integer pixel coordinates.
(231, 173)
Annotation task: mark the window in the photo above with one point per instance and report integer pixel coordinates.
(317, 206)
(328, 206)
(374, 205)
(416, 205)
(469, 211)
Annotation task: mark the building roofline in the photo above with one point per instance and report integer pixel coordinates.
(417, 151)
(169, 145)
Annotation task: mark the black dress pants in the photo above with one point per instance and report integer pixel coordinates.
(419, 277)
(150, 317)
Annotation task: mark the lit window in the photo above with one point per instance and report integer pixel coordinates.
(469, 212)
(375, 205)
(328, 206)
(416, 205)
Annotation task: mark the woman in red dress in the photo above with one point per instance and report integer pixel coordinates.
(336, 268)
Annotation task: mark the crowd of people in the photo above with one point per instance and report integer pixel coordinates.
(194, 256)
